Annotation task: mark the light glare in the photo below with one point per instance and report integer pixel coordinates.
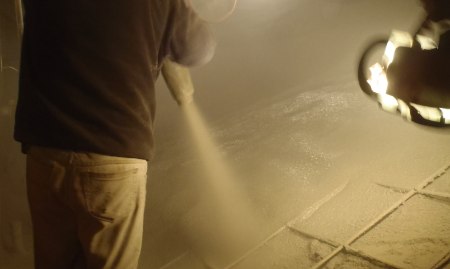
(404, 110)
(388, 102)
(426, 43)
(445, 114)
(429, 113)
(397, 39)
(389, 53)
(378, 80)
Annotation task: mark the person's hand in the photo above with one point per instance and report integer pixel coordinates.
(179, 82)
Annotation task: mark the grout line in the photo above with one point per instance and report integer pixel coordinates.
(249, 252)
(381, 217)
(393, 188)
(431, 179)
(436, 195)
(172, 262)
(347, 248)
(316, 206)
(362, 232)
(305, 215)
(310, 211)
(370, 258)
(442, 262)
(312, 236)
(430, 194)
(328, 258)
(397, 205)
(440, 172)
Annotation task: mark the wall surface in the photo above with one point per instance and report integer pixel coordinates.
(15, 226)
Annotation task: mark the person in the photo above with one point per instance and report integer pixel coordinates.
(420, 75)
(85, 118)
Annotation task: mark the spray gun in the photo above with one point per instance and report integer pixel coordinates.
(178, 77)
(179, 81)
(383, 88)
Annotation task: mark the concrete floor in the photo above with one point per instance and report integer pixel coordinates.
(376, 226)
(320, 163)
(312, 155)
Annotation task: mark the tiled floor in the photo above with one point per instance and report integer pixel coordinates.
(395, 228)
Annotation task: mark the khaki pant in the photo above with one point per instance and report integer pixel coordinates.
(87, 209)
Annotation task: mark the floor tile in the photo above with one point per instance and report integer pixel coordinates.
(417, 235)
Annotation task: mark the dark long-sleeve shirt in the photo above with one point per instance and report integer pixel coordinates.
(89, 67)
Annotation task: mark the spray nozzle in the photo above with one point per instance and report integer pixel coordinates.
(179, 82)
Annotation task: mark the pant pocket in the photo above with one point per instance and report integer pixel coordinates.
(110, 192)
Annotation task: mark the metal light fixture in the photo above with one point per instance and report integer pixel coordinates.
(376, 83)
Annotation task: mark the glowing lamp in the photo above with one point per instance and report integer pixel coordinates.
(376, 84)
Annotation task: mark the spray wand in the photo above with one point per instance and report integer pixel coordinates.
(179, 81)
(178, 77)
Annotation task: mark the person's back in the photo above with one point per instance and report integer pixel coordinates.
(85, 119)
(89, 67)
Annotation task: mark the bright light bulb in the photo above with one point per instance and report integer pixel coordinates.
(389, 53)
(445, 114)
(397, 39)
(378, 80)
(404, 110)
(388, 102)
(426, 43)
(428, 113)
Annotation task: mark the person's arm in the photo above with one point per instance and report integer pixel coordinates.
(179, 81)
(191, 41)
